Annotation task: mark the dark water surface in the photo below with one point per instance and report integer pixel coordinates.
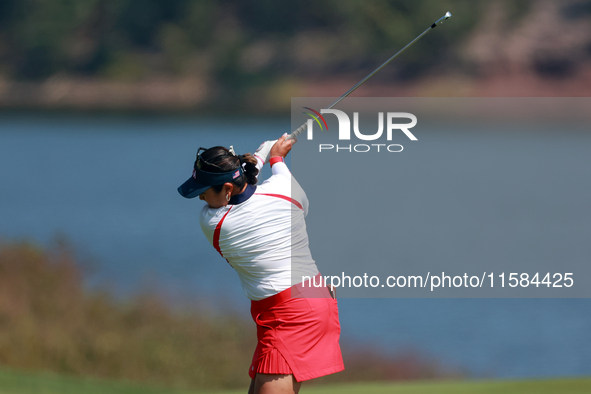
(108, 184)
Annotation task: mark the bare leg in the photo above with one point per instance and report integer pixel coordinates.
(275, 384)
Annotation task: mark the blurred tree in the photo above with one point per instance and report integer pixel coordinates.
(243, 46)
(41, 38)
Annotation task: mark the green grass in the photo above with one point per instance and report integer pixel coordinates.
(557, 386)
(18, 382)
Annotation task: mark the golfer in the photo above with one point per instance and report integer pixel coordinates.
(261, 232)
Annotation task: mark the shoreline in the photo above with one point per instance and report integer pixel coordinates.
(193, 95)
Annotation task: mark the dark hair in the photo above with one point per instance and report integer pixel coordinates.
(224, 161)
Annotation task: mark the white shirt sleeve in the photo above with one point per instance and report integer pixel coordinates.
(280, 168)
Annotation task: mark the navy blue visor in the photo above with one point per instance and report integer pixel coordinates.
(203, 180)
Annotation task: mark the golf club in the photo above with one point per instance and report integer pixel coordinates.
(303, 127)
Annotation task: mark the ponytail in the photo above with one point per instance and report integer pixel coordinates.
(249, 164)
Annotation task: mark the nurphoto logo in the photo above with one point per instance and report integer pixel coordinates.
(394, 123)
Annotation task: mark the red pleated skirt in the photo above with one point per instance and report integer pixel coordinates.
(298, 333)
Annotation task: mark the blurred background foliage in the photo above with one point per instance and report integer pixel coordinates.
(228, 51)
(228, 40)
(49, 321)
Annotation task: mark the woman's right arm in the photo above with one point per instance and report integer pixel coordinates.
(280, 149)
(278, 152)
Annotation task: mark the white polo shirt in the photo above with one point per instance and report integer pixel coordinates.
(262, 234)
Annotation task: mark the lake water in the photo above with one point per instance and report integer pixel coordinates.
(108, 184)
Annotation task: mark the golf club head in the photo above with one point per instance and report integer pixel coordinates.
(442, 19)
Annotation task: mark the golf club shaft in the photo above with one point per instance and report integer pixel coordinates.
(297, 132)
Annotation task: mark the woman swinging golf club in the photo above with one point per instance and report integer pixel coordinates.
(262, 234)
(260, 230)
